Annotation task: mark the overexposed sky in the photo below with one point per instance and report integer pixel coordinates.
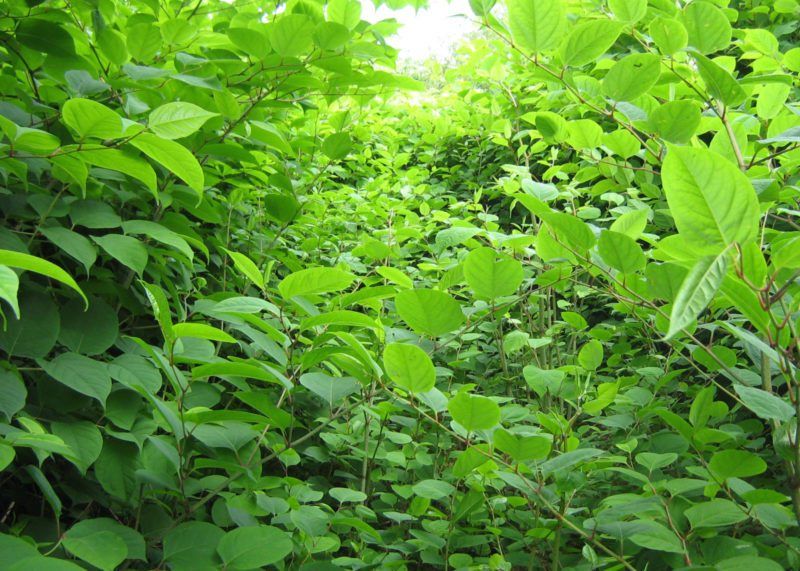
(431, 32)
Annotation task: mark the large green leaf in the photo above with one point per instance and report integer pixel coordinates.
(39, 266)
(430, 312)
(765, 404)
(735, 464)
(474, 412)
(91, 119)
(492, 274)
(312, 281)
(536, 25)
(715, 513)
(291, 35)
(409, 367)
(92, 340)
(174, 157)
(676, 121)
(102, 549)
(125, 249)
(254, 546)
(81, 374)
(628, 11)
(620, 252)
(719, 83)
(707, 26)
(588, 41)
(331, 389)
(193, 545)
(712, 202)
(697, 291)
(34, 334)
(177, 119)
(632, 76)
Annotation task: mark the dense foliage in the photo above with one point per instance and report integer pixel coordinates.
(268, 302)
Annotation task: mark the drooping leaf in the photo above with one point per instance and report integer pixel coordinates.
(697, 291)
(39, 266)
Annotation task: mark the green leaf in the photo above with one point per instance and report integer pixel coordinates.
(193, 545)
(102, 549)
(177, 119)
(590, 357)
(202, 331)
(94, 340)
(291, 35)
(159, 233)
(430, 312)
(248, 268)
(764, 404)
(83, 438)
(565, 461)
(433, 489)
(748, 563)
(342, 317)
(91, 119)
(621, 252)
(735, 464)
(81, 374)
(7, 456)
(409, 367)
(697, 291)
(121, 161)
(13, 549)
(330, 389)
(676, 121)
(126, 250)
(44, 36)
(668, 34)
(632, 76)
(337, 146)
(632, 223)
(345, 12)
(720, 84)
(491, 274)
(628, 11)
(588, 41)
(231, 369)
(39, 266)
(536, 25)
(74, 244)
(522, 448)
(116, 468)
(715, 513)
(474, 412)
(346, 495)
(133, 539)
(9, 286)
(13, 395)
(713, 202)
(707, 26)
(254, 546)
(312, 281)
(174, 157)
(657, 537)
(34, 334)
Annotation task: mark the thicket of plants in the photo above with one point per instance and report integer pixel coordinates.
(267, 302)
